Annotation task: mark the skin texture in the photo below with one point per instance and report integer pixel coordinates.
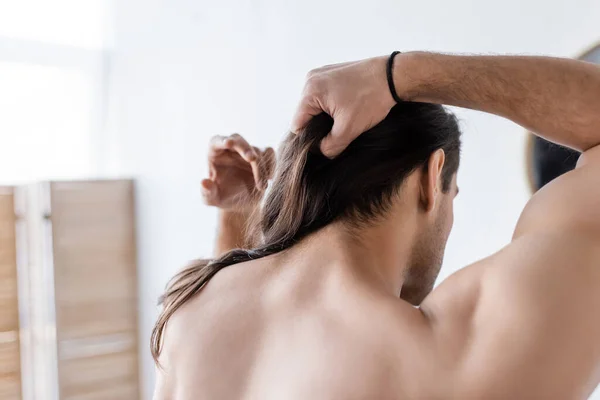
(323, 320)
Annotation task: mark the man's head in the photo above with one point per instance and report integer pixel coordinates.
(416, 142)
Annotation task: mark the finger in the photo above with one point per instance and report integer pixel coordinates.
(239, 145)
(212, 170)
(257, 168)
(338, 139)
(217, 142)
(256, 173)
(209, 192)
(207, 184)
(229, 158)
(307, 109)
(218, 145)
(235, 143)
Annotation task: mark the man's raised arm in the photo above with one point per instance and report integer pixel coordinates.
(557, 98)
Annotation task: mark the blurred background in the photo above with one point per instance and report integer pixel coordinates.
(106, 109)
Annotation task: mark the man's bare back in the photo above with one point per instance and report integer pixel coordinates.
(297, 328)
(521, 324)
(292, 330)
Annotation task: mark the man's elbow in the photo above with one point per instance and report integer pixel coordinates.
(591, 155)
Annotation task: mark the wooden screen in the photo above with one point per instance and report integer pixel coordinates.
(95, 289)
(10, 363)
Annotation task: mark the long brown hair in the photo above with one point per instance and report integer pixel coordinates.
(311, 191)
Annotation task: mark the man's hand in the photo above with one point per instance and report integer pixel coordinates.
(354, 94)
(238, 174)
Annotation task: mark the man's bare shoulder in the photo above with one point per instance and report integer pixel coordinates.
(557, 236)
(535, 253)
(532, 306)
(213, 331)
(229, 294)
(454, 300)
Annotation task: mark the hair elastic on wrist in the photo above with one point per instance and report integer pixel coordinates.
(390, 76)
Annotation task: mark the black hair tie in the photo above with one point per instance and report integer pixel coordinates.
(390, 77)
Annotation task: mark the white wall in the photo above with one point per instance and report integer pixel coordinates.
(184, 70)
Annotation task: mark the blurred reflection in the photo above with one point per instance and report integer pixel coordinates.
(547, 161)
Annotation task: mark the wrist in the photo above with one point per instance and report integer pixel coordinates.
(231, 231)
(408, 75)
(234, 217)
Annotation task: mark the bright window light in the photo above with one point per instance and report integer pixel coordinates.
(80, 23)
(45, 123)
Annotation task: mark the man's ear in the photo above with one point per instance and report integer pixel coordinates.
(431, 180)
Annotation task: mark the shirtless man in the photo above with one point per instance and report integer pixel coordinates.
(520, 324)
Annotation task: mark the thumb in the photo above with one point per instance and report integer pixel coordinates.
(337, 140)
(209, 192)
(307, 109)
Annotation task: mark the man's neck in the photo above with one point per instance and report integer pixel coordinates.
(378, 255)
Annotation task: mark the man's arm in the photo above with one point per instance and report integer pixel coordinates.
(556, 98)
(232, 231)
